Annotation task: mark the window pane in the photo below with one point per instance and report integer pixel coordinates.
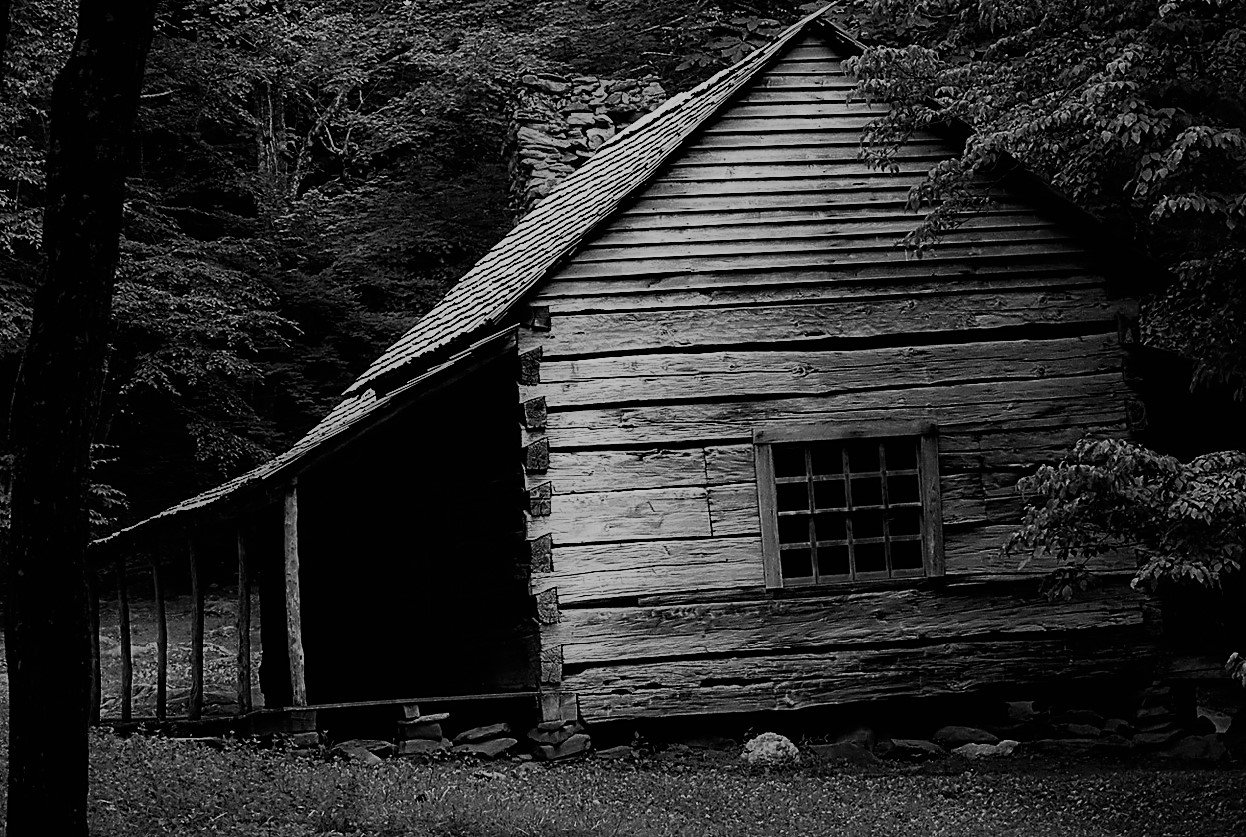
(833, 561)
(831, 527)
(906, 555)
(827, 458)
(867, 492)
(794, 529)
(901, 454)
(903, 489)
(829, 494)
(792, 496)
(863, 456)
(871, 557)
(796, 563)
(789, 460)
(904, 521)
(867, 524)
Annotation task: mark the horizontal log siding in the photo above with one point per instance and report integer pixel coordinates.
(758, 281)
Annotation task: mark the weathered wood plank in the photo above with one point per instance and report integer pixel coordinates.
(599, 636)
(651, 248)
(604, 571)
(722, 238)
(585, 471)
(760, 123)
(736, 289)
(620, 332)
(1051, 402)
(678, 687)
(979, 551)
(663, 198)
(652, 377)
(294, 617)
(833, 153)
(644, 514)
(847, 255)
(790, 223)
(660, 216)
(830, 186)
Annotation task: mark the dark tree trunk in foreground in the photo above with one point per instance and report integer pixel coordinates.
(94, 102)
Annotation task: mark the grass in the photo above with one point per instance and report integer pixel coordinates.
(146, 786)
(156, 786)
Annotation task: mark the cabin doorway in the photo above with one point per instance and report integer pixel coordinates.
(410, 539)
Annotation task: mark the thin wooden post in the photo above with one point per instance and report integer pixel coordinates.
(196, 635)
(127, 654)
(93, 595)
(162, 645)
(244, 628)
(294, 617)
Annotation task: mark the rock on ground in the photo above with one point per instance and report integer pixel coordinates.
(954, 736)
(973, 751)
(770, 750)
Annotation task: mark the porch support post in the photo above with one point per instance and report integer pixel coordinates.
(294, 617)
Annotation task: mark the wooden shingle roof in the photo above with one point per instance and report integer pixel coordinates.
(487, 293)
(560, 224)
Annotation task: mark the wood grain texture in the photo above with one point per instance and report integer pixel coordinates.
(1050, 402)
(621, 332)
(688, 376)
(933, 277)
(603, 636)
(294, 619)
(625, 515)
(602, 571)
(794, 681)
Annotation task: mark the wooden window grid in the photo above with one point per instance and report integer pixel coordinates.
(847, 505)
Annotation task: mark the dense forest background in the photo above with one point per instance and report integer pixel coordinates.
(310, 176)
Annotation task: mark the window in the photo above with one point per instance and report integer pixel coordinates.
(843, 504)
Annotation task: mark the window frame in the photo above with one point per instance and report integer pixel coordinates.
(927, 434)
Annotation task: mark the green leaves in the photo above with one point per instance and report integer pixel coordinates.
(1184, 522)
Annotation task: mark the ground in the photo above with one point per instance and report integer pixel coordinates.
(145, 785)
(149, 786)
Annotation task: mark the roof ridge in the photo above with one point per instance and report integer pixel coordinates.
(489, 289)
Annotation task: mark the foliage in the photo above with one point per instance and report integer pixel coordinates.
(309, 177)
(1135, 109)
(1184, 522)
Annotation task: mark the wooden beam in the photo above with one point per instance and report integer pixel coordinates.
(294, 618)
(196, 633)
(536, 456)
(624, 332)
(127, 653)
(540, 554)
(533, 413)
(162, 644)
(530, 366)
(243, 628)
(837, 618)
(793, 681)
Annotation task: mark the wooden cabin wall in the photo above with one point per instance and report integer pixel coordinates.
(758, 281)
(409, 540)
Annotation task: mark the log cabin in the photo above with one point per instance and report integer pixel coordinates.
(699, 436)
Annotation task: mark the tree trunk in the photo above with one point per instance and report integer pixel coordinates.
(270, 138)
(94, 101)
